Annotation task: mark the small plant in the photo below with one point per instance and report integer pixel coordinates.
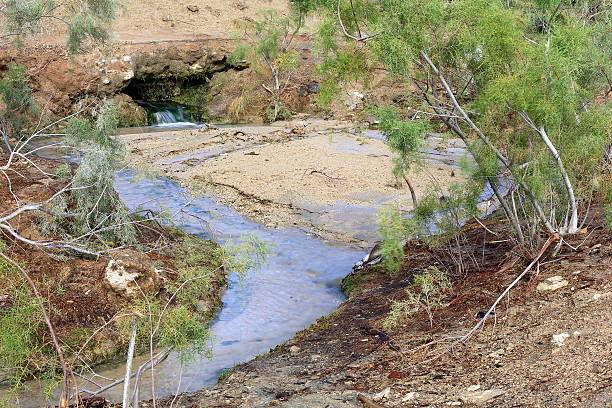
(427, 292)
(238, 107)
(277, 111)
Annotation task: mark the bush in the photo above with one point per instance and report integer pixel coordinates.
(427, 292)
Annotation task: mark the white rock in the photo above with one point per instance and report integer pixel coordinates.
(126, 58)
(553, 283)
(474, 387)
(196, 67)
(294, 349)
(128, 75)
(106, 81)
(358, 95)
(384, 394)
(559, 339)
(410, 396)
(130, 274)
(480, 397)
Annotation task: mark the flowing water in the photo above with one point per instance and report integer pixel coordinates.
(169, 114)
(298, 283)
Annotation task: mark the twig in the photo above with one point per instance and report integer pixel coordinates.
(128, 366)
(489, 312)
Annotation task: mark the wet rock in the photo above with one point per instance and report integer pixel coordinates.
(480, 397)
(129, 113)
(130, 274)
(553, 283)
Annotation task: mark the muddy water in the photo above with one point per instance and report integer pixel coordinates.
(298, 283)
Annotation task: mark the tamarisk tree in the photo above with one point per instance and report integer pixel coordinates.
(267, 45)
(524, 84)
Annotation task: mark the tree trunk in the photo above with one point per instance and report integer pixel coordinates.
(534, 202)
(412, 192)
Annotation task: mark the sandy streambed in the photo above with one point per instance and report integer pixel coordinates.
(325, 176)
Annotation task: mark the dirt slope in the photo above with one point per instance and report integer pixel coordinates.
(512, 362)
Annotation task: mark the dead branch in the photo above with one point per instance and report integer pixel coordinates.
(368, 402)
(463, 339)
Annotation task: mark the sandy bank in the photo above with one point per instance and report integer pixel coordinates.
(321, 175)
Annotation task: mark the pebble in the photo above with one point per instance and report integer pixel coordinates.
(294, 349)
(384, 394)
(480, 397)
(559, 339)
(553, 283)
(410, 396)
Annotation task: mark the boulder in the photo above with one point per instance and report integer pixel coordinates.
(129, 113)
(130, 274)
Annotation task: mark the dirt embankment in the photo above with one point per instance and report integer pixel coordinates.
(546, 346)
(85, 293)
(326, 176)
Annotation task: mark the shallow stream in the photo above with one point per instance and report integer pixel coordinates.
(298, 284)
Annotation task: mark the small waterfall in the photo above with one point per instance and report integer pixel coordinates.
(168, 114)
(165, 117)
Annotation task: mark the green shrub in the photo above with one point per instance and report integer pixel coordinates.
(427, 292)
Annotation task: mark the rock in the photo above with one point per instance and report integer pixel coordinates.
(553, 283)
(106, 81)
(130, 274)
(203, 307)
(294, 349)
(384, 394)
(480, 397)
(410, 396)
(128, 75)
(559, 339)
(354, 101)
(193, 8)
(129, 113)
(313, 87)
(474, 387)
(126, 58)
(5, 301)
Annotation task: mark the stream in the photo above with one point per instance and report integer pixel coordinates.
(297, 284)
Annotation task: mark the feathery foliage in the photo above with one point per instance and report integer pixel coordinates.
(519, 82)
(86, 21)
